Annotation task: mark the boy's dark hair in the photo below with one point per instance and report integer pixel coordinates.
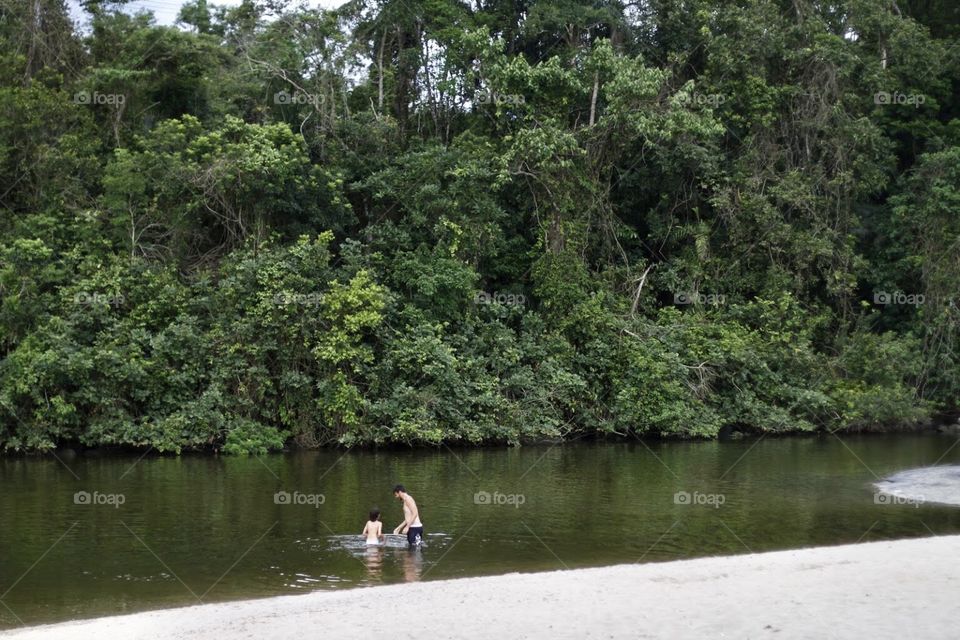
(374, 514)
(398, 488)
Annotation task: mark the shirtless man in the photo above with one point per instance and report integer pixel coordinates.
(411, 524)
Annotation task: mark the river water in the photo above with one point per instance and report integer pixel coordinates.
(90, 535)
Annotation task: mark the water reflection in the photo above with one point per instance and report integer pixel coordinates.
(412, 560)
(373, 559)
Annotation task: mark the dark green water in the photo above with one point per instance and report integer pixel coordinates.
(209, 529)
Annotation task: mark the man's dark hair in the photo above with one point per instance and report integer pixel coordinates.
(399, 488)
(374, 514)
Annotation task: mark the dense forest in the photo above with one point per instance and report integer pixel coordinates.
(503, 221)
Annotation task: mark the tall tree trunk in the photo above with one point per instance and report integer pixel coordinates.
(593, 97)
(555, 239)
(34, 35)
(383, 43)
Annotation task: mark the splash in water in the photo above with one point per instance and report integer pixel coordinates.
(355, 543)
(929, 484)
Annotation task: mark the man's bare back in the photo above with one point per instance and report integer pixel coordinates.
(411, 524)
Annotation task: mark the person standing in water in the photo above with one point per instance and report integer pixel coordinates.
(411, 524)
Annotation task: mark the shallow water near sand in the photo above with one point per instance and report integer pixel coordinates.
(91, 535)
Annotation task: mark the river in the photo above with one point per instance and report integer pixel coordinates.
(98, 534)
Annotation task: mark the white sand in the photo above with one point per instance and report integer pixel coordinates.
(903, 589)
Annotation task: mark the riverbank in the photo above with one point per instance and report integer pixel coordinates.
(66, 453)
(906, 588)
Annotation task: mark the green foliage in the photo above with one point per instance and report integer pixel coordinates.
(206, 193)
(247, 437)
(423, 222)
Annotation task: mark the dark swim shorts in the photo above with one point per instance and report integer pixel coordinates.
(415, 536)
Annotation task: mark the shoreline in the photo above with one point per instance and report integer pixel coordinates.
(889, 589)
(949, 429)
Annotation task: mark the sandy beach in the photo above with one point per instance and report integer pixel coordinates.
(907, 588)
